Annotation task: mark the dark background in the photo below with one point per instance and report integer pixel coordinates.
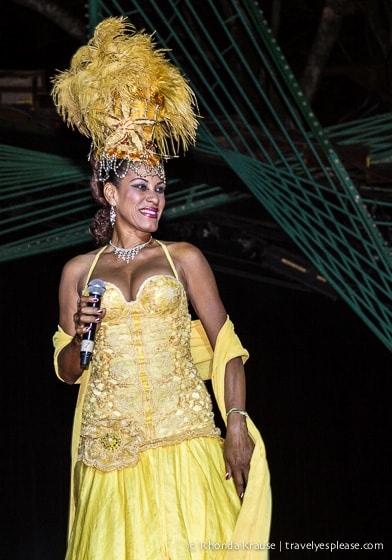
(319, 388)
(319, 382)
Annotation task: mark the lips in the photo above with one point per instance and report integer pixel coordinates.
(150, 212)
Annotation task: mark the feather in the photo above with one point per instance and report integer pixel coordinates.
(123, 93)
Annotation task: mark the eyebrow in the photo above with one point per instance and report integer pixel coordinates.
(145, 181)
(139, 179)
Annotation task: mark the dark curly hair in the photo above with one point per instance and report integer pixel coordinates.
(100, 226)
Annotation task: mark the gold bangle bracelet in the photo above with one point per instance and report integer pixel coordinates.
(243, 412)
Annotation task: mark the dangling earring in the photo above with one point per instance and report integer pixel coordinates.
(112, 216)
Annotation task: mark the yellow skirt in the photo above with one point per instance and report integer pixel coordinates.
(174, 504)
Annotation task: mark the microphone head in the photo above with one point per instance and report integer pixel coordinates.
(96, 287)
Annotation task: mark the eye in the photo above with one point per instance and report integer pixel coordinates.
(140, 186)
(160, 189)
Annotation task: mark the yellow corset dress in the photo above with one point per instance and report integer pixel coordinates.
(149, 483)
(144, 389)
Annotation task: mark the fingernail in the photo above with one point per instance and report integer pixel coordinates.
(95, 299)
(100, 311)
(241, 495)
(227, 476)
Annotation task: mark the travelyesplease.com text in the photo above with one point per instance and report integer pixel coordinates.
(285, 545)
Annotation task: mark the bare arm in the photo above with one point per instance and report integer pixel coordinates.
(75, 313)
(204, 296)
(238, 444)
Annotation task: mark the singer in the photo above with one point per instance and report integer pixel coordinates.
(151, 475)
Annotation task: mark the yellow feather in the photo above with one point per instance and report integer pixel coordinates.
(120, 78)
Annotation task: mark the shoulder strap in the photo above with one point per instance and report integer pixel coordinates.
(93, 266)
(168, 256)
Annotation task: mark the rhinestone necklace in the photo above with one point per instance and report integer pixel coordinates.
(128, 254)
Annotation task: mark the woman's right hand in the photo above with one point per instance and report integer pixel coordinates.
(86, 314)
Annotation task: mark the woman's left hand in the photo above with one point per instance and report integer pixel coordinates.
(238, 452)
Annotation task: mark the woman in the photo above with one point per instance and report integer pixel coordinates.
(151, 475)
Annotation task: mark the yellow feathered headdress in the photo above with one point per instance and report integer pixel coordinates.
(126, 96)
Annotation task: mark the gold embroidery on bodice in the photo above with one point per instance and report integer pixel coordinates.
(144, 390)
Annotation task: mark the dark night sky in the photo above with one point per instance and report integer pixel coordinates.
(319, 388)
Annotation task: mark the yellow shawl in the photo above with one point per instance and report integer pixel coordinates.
(252, 529)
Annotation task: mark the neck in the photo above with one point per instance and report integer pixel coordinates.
(128, 254)
(120, 241)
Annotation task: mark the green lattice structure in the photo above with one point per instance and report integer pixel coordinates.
(62, 215)
(257, 121)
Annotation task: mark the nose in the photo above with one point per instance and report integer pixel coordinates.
(152, 196)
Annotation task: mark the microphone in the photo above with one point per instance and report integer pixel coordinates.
(95, 288)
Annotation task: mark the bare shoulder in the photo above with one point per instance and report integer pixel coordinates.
(76, 269)
(184, 252)
(189, 260)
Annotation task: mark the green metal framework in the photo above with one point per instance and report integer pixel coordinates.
(62, 215)
(257, 121)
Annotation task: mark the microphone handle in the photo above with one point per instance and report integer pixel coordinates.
(87, 345)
